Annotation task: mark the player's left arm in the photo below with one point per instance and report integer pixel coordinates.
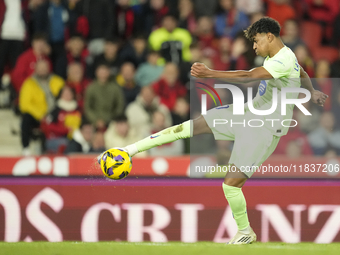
(200, 70)
(317, 96)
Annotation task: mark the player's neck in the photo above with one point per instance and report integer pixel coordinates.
(276, 47)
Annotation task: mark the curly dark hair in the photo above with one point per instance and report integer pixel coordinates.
(263, 25)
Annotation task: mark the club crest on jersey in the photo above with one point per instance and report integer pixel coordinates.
(262, 87)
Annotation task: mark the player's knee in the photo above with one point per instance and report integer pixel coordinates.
(200, 126)
(234, 182)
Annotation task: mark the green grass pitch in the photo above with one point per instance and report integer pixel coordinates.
(147, 248)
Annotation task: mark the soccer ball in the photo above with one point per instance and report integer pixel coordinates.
(115, 163)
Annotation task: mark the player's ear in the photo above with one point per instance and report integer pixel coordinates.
(270, 37)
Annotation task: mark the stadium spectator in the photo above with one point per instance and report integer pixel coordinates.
(149, 71)
(293, 150)
(98, 142)
(51, 18)
(280, 10)
(169, 88)
(206, 36)
(76, 52)
(305, 60)
(37, 98)
(77, 81)
(323, 81)
(322, 11)
(181, 112)
(290, 35)
(126, 79)
(255, 17)
(140, 111)
(60, 124)
(151, 15)
(325, 136)
(100, 18)
(29, 14)
(201, 7)
(135, 51)
(187, 19)
(104, 99)
(230, 21)
(172, 42)
(76, 24)
(230, 55)
(109, 57)
(12, 33)
(82, 139)
(34, 4)
(124, 20)
(120, 134)
(175, 148)
(221, 59)
(25, 65)
(249, 7)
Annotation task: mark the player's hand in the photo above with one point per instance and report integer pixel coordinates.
(318, 97)
(200, 70)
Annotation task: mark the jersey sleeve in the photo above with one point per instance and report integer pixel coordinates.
(277, 68)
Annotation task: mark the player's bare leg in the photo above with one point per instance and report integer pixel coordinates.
(201, 126)
(232, 187)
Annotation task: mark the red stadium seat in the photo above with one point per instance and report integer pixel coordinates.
(311, 34)
(329, 53)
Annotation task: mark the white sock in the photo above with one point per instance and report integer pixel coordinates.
(131, 149)
(245, 231)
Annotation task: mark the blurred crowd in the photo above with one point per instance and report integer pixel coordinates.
(88, 75)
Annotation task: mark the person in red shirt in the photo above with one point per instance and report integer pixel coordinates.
(59, 125)
(151, 15)
(76, 81)
(76, 51)
(206, 36)
(169, 88)
(124, 19)
(280, 10)
(25, 64)
(230, 55)
(323, 11)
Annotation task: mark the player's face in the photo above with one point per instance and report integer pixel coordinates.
(261, 44)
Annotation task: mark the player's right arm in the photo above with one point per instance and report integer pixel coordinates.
(200, 70)
(317, 96)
